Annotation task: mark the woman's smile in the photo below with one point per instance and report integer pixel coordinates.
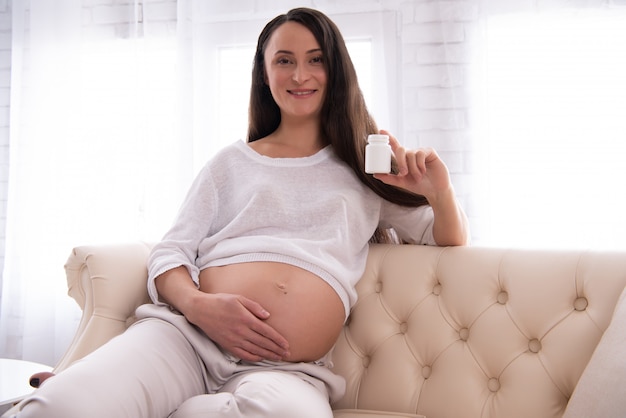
(302, 93)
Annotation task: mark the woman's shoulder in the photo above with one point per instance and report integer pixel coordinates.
(233, 149)
(226, 155)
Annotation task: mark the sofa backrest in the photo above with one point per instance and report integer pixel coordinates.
(475, 332)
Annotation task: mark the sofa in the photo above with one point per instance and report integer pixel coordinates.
(440, 332)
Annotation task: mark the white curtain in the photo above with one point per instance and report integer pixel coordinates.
(97, 154)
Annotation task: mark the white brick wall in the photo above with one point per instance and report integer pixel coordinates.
(435, 82)
(435, 60)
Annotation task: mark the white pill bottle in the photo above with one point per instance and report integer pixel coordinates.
(377, 154)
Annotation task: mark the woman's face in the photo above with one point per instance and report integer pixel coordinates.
(294, 71)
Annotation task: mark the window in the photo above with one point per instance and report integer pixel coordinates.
(553, 148)
(125, 98)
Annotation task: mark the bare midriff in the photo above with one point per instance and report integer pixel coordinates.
(303, 308)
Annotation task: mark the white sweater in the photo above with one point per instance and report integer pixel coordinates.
(309, 212)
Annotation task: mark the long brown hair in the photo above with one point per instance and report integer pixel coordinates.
(345, 120)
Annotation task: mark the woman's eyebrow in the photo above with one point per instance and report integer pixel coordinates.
(310, 51)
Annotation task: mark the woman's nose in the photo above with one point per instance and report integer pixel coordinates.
(300, 74)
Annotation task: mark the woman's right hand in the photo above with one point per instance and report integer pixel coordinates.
(234, 322)
(238, 325)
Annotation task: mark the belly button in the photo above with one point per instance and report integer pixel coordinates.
(282, 287)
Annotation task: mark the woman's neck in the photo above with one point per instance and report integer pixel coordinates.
(292, 138)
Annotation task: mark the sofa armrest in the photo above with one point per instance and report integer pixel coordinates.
(108, 283)
(600, 390)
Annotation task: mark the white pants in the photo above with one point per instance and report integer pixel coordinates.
(164, 367)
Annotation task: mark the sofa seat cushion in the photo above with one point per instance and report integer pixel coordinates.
(363, 413)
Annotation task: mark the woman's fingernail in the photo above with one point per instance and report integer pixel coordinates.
(34, 382)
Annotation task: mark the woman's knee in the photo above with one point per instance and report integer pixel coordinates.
(280, 394)
(203, 406)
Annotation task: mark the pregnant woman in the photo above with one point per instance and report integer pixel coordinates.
(255, 278)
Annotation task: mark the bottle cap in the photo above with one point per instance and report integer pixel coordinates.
(378, 138)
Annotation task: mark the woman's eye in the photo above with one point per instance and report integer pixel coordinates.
(283, 61)
(317, 60)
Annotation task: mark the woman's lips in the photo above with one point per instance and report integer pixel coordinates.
(301, 93)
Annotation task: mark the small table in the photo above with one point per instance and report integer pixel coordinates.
(14, 380)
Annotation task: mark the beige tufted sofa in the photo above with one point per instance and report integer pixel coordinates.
(460, 332)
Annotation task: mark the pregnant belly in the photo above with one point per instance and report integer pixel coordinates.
(302, 306)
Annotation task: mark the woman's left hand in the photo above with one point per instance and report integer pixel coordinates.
(420, 171)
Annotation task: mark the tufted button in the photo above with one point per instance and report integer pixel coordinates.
(379, 287)
(493, 384)
(426, 371)
(404, 327)
(366, 361)
(534, 345)
(437, 289)
(464, 334)
(580, 304)
(503, 297)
